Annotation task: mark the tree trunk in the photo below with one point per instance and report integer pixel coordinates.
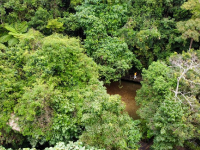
(191, 41)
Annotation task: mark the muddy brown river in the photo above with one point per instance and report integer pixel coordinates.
(127, 90)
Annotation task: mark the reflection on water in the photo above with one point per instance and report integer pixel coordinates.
(127, 90)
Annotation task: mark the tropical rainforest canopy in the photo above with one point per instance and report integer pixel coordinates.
(56, 56)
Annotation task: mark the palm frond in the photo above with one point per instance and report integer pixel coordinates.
(13, 41)
(21, 27)
(5, 38)
(10, 28)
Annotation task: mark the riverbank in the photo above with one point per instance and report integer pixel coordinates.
(130, 77)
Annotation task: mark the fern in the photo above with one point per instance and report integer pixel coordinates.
(5, 38)
(21, 27)
(13, 41)
(14, 32)
(17, 27)
(10, 28)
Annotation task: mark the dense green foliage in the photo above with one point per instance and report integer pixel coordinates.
(169, 96)
(190, 28)
(169, 100)
(151, 33)
(118, 35)
(62, 146)
(100, 22)
(55, 95)
(55, 56)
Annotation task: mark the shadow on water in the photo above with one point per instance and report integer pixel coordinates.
(127, 90)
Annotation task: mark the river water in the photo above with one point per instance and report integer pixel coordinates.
(127, 90)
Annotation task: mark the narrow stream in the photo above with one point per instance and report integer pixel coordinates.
(127, 90)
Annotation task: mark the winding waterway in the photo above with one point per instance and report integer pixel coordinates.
(127, 90)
